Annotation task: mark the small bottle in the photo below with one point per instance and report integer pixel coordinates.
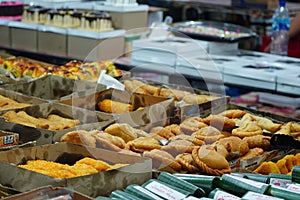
(280, 30)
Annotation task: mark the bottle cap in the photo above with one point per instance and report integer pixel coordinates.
(282, 3)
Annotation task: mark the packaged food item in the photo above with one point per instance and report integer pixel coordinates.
(284, 193)
(175, 181)
(220, 194)
(241, 186)
(141, 192)
(121, 195)
(296, 174)
(282, 180)
(207, 183)
(256, 196)
(165, 190)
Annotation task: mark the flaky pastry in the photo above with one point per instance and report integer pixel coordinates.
(176, 147)
(235, 146)
(79, 137)
(187, 162)
(210, 161)
(233, 113)
(142, 144)
(267, 168)
(116, 107)
(123, 130)
(208, 134)
(220, 122)
(192, 124)
(247, 130)
(162, 159)
(252, 153)
(163, 132)
(260, 141)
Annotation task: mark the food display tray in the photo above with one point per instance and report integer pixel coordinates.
(212, 31)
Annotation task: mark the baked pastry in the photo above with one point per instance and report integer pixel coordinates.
(187, 162)
(220, 122)
(267, 124)
(252, 153)
(99, 165)
(163, 161)
(7, 103)
(260, 141)
(196, 98)
(125, 131)
(233, 113)
(191, 125)
(267, 168)
(190, 138)
(178, 95)
(111, 106)
(176, 147)
(247, 130)
(281, 164)
(134, 87)
(210, 161)
(235, 146)
(142, 144)
(79, 137)
(175, 129)
(208, 134)
(118, 141)
(163, 132)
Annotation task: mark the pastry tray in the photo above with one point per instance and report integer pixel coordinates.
(212, 31)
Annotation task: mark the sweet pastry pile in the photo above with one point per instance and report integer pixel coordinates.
(68, 18)
(84, 166)
(196, 145)
(282, 166)
(179, 95)
(23, 68)
(52, 122)
(7, 103)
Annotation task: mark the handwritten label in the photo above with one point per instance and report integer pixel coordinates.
(164, 191)
(280, 182)
(256, 196)
(141, 189)
(249, 182)
(220, 195)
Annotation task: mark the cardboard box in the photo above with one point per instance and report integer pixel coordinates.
(98, 184)
(45, 136)
(21, 98)
(95, 46)
(23, 36)
(54, 87)
(49, 192)
(154, 108)
(5, 39)
(8, 139)
(127, 17)
(52, 40)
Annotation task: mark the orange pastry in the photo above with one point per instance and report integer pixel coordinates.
(267, 168)
(111, 106)
(220, 122)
